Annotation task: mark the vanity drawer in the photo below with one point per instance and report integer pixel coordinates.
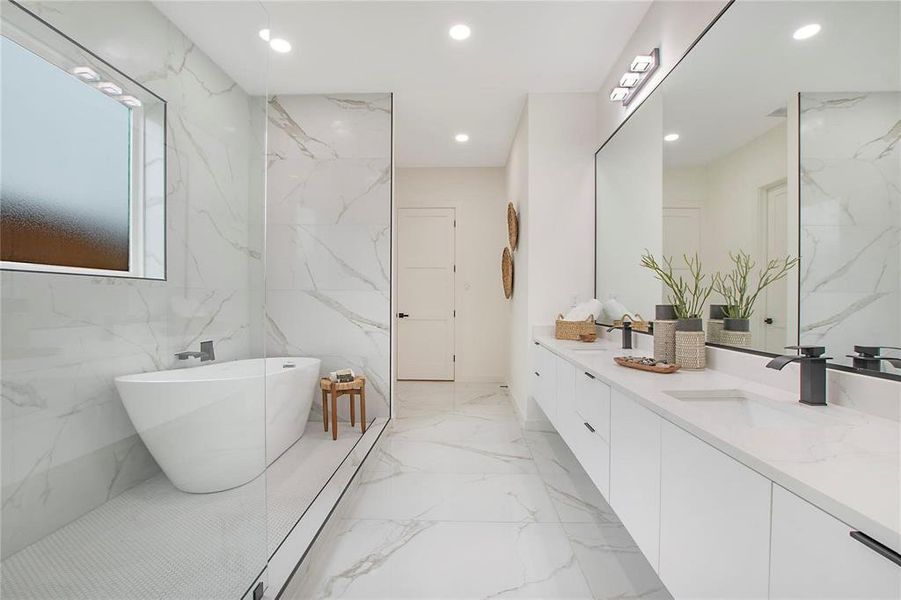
(593, 404)
(814, 556)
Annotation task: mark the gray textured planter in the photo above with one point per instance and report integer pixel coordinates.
(717, 311)
(664, 312)
(694, 324)
(736, 324)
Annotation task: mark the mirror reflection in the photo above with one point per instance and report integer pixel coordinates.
(778, 202)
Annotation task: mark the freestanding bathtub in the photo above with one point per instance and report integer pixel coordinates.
(212, 427)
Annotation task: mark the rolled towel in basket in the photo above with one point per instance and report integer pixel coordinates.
(583, 310)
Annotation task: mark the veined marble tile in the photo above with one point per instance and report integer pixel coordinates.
(850, 220)
(612, 562)
(68, 444)
(454, 457)
(483, 497)
(425, 559)
(452, 427)
(551, 454)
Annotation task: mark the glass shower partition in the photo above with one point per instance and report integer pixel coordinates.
(129, 472)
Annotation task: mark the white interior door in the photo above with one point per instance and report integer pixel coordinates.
(681, 237)
(773, 315)
(425, 293)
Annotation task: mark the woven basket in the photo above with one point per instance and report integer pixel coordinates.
(571, 330)
(691, 351)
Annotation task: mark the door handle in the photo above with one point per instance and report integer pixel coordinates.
(402, 315)
(768, 320)
(590, 428)
(589, 375)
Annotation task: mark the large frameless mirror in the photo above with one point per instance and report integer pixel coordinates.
(767, 162)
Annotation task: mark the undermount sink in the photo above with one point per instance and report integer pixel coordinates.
(736, 407)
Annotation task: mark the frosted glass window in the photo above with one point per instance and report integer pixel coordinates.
(65, 180)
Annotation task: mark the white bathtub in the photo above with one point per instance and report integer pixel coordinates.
(211, 427)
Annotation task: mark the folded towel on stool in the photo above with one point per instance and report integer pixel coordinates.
(342, 375)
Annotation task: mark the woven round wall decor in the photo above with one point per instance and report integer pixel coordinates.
(507, 272)
(512, 225)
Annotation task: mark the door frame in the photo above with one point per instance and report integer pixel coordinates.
(395, 296)
(763, 227)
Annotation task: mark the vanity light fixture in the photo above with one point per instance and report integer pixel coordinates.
(130, 101)
(642, 63)
(641, 69)
(459, 32)
(629, 80)
(806, 32)
(109, 88)
(85, 73)
(618, 93)
(461, 138)
(265, 34)
(671, 137)
(279, 45)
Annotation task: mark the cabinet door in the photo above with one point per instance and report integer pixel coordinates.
(593, 403)
(635, 472)
(544, 390)
(565, 392)
(714, 521)
(814, 556)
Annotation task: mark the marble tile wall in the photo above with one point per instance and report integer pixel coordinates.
(67, 443)
(850, 220)
(328, 234)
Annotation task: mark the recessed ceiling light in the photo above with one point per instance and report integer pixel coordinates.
(86, 73)
(462, 138)
(629, 80)
(108, 87)
(618, 93)
(806, 32)
(130, 101)
(671, 137)
(460, 32)
(280, 45)
(265, 34)
(641, 63)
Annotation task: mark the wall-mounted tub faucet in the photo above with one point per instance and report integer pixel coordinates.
(869, 358)
(206, 352)
(813, 372)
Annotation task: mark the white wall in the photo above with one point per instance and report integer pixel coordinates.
(670, 26)
(550, 176)
(478, 195)
(517, 175)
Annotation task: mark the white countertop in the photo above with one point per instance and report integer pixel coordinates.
(846, 462)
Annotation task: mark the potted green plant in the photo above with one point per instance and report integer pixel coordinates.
(687, 297)
(736, 287)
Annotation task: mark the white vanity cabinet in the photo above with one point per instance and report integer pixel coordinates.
(814, 556)
(565, 380)
(714, 521)
(544, 387)
(635, 471)
(590, 424)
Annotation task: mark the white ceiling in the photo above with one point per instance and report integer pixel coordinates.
(748, 65)
(441, 87)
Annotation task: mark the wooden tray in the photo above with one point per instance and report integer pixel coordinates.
(621, 361)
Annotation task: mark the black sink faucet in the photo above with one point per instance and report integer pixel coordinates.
(870, 359)
(813, 372)
(627, 334)
(206, 352)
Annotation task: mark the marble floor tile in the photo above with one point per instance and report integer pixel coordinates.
(612, 563)
(431, 559)
(499, 498)
(458, 502)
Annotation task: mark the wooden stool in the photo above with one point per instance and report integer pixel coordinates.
(357, 387)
